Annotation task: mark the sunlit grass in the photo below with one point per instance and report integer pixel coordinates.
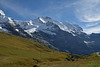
(20, 52)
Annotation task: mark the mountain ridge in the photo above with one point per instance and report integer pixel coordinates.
(41, 22)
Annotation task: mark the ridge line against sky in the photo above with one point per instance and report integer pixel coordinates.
(85, 13)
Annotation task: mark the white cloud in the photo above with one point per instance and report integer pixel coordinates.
(92, 24)
(92, 30)
(88, 10)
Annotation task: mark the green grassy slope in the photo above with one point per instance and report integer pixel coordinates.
(19, 52)
(92, 60)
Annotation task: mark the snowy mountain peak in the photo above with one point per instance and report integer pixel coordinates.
(2, 13)
(48, 25)
(65, 26)
(39, 24)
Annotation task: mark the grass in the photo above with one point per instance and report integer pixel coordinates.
(85, 61)
(20, 52)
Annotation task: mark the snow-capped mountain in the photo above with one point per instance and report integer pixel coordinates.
(63, 36)
(7, 24)
(38, 25)
(48, 25)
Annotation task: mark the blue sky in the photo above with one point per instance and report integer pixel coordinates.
(85, 13)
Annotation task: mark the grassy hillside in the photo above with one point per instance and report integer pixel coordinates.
(92, 60)
(19, 52)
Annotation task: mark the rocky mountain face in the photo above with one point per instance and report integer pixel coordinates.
(62, 36)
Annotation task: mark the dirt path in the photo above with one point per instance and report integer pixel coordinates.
(98, 53)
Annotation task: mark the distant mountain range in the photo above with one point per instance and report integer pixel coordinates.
(61, 36)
